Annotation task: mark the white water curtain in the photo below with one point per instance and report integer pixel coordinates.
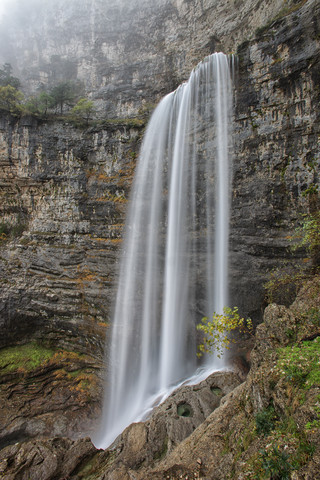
(174, 266)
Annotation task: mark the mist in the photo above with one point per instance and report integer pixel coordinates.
(4, 6)
(110, 46)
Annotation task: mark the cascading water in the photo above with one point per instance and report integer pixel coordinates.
(174, 266)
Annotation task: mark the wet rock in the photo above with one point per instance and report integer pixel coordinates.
(56, 458)
(204, 431)
(60, 397)
(172, 421)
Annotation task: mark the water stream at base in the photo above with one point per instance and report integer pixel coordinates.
(174, 267)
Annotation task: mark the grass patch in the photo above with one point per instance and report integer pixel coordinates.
(24, 358)
(300, 363)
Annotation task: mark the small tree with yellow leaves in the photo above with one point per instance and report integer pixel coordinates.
(217, 331)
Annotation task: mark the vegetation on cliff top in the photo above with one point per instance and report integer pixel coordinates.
(66, 100)
(65, 94)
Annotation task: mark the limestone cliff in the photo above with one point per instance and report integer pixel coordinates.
(127, 53)
(63, 197)
(276, 160)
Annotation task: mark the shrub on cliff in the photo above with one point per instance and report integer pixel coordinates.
(10, 99)
(83, 110)
(309, 236)
(39, 104)
(6, 77)
(65, 94)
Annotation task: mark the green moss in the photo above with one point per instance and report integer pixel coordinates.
(311, 190)
(75, 373)
(216, 391)
(160, 454)
(94, 467)
(314, 424)
(24, 357)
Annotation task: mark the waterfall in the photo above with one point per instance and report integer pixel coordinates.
(174, 267)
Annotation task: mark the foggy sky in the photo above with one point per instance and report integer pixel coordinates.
(4, 5)
(7, 5)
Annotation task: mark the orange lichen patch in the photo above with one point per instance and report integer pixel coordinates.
(116, 225)
(91, 173)
(115, 240)
(120, 199)
(88, 277)
(121, 178)
(84, 384)
(100, 176)
(106, 240)
(103, 324)
(102, 199)
(85, 275)
(64, 356)
(59, 374)
(108, 197)
(109, 178)
(97, 239)
(126, 175)
(103, 176)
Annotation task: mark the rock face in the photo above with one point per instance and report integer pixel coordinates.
(58, 395)
(239, 432)
(63, 198)
(140, 444)
(45, 460)
(276, 161)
